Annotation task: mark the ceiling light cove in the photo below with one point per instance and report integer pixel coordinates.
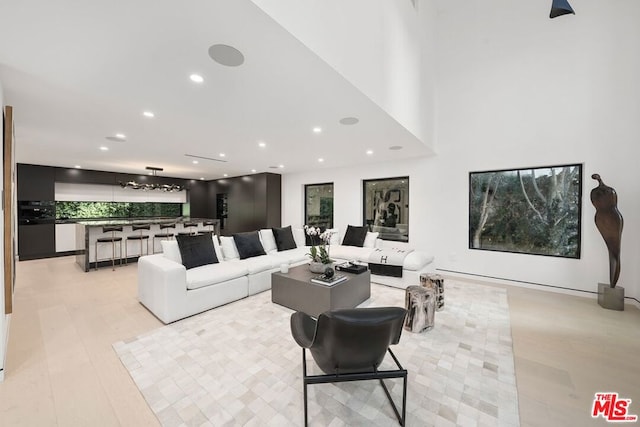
(317, 129)
(148, 114)
(196, 78)
(226, 55)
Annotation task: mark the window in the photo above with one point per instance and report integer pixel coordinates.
(318, 205)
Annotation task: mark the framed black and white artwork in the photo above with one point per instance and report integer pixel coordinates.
(386, 207)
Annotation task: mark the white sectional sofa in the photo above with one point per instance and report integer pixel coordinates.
(172, 292)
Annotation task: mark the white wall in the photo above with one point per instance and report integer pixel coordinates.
(347, 189)
(377, 45)
(516, 89)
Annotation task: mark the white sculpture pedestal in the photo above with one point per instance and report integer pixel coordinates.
(610, 298)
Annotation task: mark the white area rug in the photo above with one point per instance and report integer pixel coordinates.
(238, 365)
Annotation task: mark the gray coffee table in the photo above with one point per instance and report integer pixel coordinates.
(296, 291)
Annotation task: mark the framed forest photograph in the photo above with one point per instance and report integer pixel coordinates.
(529, 210)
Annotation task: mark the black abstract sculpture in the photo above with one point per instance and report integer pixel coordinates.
(609, 222)
(559, 8)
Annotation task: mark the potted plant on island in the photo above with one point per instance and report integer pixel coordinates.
(319, 252)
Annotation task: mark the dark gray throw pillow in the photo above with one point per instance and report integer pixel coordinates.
(284, 238)
(196, 250)
(248, 244)
(354, 236)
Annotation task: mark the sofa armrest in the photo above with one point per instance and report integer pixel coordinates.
(162, 286)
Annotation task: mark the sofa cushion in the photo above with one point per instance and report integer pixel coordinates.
(229, 249)
(259, 263)
(196, 250)
(268, 240)
(350, 253)
(291, 256)
(284, 238)
(370, 240)
(248, 244)
(416, 260)
(354, 236)
(214, 273)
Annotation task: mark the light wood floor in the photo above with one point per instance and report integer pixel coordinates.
(61, 369)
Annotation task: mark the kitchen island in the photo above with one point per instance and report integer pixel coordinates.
(87, 232)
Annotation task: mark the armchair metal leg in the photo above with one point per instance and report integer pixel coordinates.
(304, 371)
(379, 375)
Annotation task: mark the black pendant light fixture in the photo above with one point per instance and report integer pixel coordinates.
(559, 8)
(170, 188)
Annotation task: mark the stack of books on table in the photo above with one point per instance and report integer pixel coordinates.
(322, 280)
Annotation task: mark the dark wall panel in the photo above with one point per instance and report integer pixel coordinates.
(36, 241)
(35, 182)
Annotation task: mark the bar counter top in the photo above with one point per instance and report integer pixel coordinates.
(130, 247)
(132, 221)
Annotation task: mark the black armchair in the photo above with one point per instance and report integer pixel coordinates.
(349, 345)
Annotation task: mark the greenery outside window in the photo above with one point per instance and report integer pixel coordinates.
(90, 210)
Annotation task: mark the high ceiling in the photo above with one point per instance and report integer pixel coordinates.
(79, 72)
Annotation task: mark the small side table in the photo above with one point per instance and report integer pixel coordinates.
(435, 282)
(420, 304)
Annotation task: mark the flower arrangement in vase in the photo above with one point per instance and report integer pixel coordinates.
(319, 252)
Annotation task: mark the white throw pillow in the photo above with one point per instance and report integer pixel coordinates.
(335, 236)
(370, 239)
(229, 249)
(298, 237)
(171, 250)
(268, 240)
(216, 246)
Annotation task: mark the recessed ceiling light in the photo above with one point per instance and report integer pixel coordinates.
(196, 78)
(222, 154)
(226, 55)
(349, 120)
(321, 160)
(77, 166)
(150, 173)
(317, 129)
(281, 166)
(195, 162)
(253, 171)
(262, 144)
(225, 175)
(202, 178)
(103, 148)
(395, 147)
(369, 152)
(121, 136)
(148, 114)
